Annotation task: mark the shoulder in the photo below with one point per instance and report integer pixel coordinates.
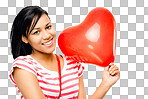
(21, 66)
(24, 63)
(23, 59)
(26, 82)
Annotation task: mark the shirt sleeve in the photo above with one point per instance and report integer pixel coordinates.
(23, 64)
(80, 69)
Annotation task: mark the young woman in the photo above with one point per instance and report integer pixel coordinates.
(40, 74)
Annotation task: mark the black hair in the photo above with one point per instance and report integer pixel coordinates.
(23, 24)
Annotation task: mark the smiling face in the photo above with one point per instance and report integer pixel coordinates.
(43, 37)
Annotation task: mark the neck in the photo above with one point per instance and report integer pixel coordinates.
(43, 56)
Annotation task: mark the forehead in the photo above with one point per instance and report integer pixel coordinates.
(43, 20)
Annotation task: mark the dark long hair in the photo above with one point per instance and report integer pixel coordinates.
(23, 24)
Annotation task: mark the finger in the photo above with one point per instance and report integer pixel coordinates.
(112, 66)
(116, 72)
(113, 69)
(107, 68)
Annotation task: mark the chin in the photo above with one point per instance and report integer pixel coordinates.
(46, 50)
(50, 50)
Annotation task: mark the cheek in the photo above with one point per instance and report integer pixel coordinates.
(53, 31)
(34, 41)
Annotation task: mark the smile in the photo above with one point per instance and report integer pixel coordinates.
(48, 43)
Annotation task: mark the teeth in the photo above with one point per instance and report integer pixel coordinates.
(48, 43)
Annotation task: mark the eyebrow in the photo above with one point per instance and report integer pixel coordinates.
(39, 28)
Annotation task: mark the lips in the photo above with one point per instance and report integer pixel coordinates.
(48, 43)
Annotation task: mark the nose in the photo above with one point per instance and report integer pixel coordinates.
(46, 35)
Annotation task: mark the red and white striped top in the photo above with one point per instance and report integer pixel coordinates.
(49, 80)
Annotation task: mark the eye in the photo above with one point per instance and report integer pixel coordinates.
(48, 27)
(36, 32)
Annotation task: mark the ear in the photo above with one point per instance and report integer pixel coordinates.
(24, 39)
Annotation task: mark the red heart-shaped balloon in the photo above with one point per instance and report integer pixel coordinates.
(93, 41)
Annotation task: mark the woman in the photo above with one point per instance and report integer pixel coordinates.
(40, 74)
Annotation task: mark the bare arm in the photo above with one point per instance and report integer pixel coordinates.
(98, 94)
(82, 94)
(27, 84)
(110, 76)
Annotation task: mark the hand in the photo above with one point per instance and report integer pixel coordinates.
(110, 75)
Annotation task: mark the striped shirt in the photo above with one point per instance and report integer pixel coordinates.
(49, 80)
